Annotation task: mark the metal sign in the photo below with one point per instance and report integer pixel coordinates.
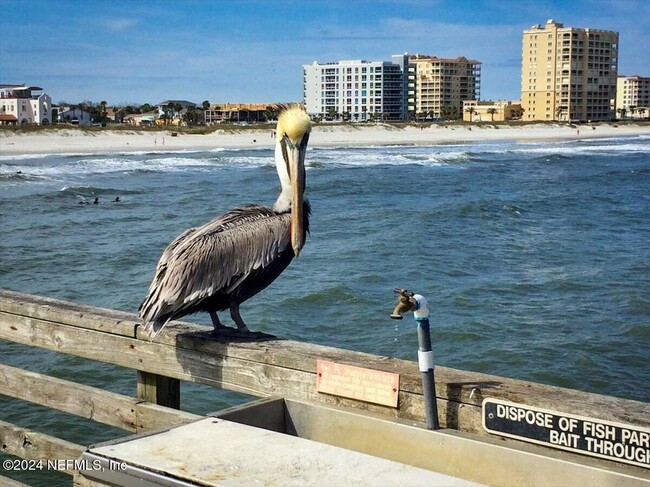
(577, 434)
(367, 385)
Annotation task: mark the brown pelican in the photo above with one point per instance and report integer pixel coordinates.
(221, 264)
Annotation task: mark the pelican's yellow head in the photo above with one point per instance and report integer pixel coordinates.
(294, 127)
(294, 123)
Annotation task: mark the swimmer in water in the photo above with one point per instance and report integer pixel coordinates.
(117, 199)
(96, 202)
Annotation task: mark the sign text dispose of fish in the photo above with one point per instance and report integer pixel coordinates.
(578, 434)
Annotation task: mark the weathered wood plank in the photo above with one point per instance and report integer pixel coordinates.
(80, 481)
(7, 482)
(153, 416)
(258, 379)
(88, 402)
(233, 374)
(33, 445)
(110, 321)
(158, 389)
(286, 368)
(284, 353)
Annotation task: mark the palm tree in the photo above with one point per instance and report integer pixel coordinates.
(447, 112)
(492, 112)
(642, 112)
(102, 108)
(271, 112)
(192, 116)
(164, 116)
(621, 112)
(177, 109)
(471, 111)
(518, 114)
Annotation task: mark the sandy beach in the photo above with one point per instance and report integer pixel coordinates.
(79, 141)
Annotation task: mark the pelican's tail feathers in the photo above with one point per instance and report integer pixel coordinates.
(154, 316)
(155, 326)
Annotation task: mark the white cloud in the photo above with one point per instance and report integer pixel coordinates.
(119, 24)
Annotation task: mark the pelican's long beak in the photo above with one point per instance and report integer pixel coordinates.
(296, 156)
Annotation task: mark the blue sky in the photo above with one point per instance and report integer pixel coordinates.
(139, 51)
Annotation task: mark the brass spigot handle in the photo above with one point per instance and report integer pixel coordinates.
(405, 303)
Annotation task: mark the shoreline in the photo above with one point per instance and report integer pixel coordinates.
(64, 141)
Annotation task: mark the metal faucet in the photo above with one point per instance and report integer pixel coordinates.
(405, 302)
(410, 301)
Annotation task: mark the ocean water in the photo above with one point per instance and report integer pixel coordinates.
(534, 257)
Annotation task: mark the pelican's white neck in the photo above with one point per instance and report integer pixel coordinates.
(283, 203)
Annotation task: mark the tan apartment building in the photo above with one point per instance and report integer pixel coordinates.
(491, 111)
(568, 73)
(442, 85)
(633, 97)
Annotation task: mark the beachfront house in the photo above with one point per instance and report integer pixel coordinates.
(170, 112)
(74, 115)
(491, 111)
(113, 114)
(141, 119)
(21, 104)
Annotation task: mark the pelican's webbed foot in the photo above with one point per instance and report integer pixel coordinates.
(221, 329)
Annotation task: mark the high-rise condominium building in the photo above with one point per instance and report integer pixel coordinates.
(357, 90)
(568, 73)
(442, 85)
(633, 96)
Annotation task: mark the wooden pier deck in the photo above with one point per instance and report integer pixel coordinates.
(274, 367)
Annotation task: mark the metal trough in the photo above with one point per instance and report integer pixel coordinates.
(285, 442)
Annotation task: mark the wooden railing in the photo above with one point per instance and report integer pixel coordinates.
(262, 367)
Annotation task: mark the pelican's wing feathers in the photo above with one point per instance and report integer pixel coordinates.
(214, 257)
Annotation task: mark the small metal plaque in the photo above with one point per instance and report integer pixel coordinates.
(577, 434)
(369, 385)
